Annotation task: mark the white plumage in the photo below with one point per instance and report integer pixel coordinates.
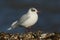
(27, 20)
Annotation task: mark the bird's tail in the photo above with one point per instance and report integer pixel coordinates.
(9, 28)
(13, 25)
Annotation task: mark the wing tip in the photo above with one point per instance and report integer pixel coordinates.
(9, 28)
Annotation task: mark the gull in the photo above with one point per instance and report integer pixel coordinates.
(27, 20)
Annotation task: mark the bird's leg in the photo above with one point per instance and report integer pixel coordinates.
(28, 29)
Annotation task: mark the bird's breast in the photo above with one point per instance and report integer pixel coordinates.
(31, 20)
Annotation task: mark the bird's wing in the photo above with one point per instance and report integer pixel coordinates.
(14, 23)
(23, 18)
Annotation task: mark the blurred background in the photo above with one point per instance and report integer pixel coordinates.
(49, 15)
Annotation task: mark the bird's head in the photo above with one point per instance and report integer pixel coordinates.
(33, 10)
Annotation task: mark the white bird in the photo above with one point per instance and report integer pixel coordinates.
(27, 20)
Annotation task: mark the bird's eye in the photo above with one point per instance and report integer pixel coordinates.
(32, 10)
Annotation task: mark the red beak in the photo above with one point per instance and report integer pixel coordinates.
(38, 11)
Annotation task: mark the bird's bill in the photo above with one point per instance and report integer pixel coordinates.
(38, 11)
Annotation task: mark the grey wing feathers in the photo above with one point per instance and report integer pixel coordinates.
(15, 24)
(23, 18)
